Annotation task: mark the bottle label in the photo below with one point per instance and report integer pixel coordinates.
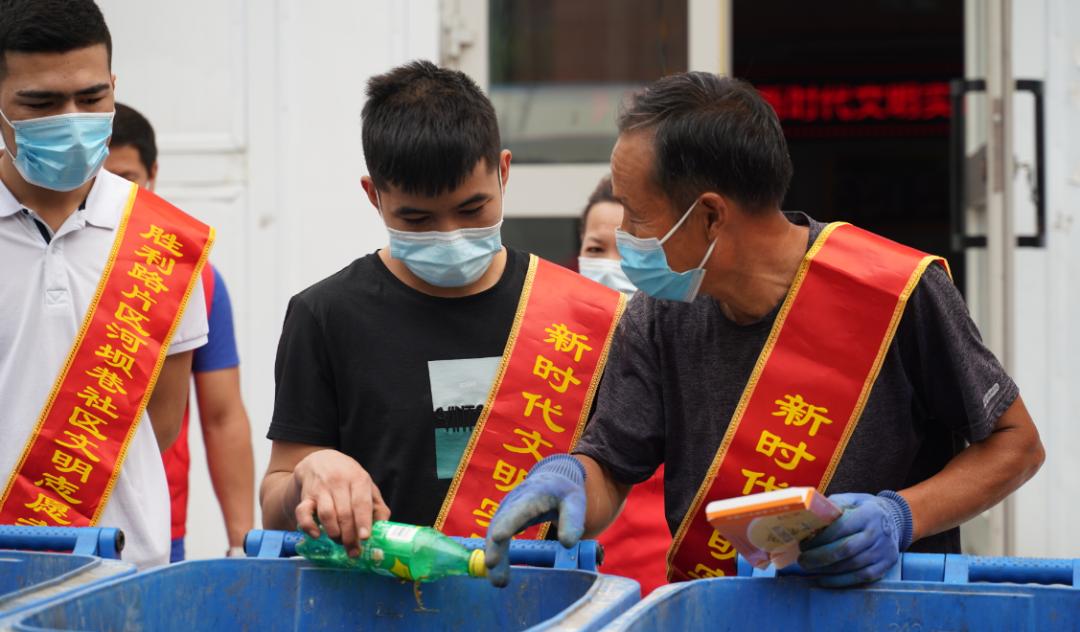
(401, 533)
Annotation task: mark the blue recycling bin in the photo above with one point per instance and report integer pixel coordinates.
(292, 594)
(31, 579)
(923, 592)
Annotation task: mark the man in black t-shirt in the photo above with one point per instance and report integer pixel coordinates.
(384, 368)
(701, 168)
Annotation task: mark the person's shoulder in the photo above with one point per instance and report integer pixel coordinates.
(936, 287)
(936, 305)
(108, 185)
(657, 319)
(111, 195)
(107, 199)
(938, 278)
(517, 260)
(514, 274)
(357, 278)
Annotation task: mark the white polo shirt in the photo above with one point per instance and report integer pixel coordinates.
(45, 290)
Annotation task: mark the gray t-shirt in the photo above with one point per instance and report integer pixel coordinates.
(677, 371)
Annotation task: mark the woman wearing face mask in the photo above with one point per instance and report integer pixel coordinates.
(599, 258)
(636, 544)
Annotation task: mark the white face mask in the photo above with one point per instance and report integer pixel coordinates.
(607, 272)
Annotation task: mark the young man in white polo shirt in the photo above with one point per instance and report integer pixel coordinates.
(97, 273)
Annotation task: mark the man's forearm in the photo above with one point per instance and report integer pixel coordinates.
(232, 472)
(604, 496)
(278, 499)
(979, 477)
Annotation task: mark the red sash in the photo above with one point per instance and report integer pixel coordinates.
(810, 383)
(541, 396)
(72, 460)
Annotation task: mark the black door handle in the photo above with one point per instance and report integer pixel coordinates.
(958, 88)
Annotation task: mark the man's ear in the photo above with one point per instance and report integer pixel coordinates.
(504, 167)
(372, 194)
(715, 212)
(7, 133)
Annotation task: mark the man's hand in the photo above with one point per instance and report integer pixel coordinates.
(554, 488)
(334, 487)
(863, 544)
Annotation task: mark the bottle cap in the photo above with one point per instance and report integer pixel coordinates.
(476, 564)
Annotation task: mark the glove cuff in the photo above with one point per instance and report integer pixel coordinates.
(901, 516)
(563, 465)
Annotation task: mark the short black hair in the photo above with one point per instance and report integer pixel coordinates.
(132, 129)
(50, 26)
(712, 133)
(602, 193)
(425, 128)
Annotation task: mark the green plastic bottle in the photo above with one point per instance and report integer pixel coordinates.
(399, 550)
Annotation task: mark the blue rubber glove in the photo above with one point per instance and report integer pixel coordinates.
(863, 544)
(554, 489)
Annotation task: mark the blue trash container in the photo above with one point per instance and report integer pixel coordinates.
(923, 592)
(292, 594)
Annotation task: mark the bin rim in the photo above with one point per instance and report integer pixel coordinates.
(14, 619)
(608, 593)
(657, 596)
(89, 576)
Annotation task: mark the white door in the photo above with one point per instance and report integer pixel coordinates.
(1018, 196)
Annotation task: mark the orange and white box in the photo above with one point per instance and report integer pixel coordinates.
(767, 528)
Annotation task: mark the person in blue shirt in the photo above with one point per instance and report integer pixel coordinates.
(215, 367)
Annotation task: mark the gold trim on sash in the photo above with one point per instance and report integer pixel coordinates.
(549, 372)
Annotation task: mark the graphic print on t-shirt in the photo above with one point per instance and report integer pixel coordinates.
(459, 389)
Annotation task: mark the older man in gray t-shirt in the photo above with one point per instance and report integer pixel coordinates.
(677, 371)
(701, 168)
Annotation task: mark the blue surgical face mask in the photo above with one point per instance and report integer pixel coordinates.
(646, 265)
(61, 152)
(447, 259)
(606, 272)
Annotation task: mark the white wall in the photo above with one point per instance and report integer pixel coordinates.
(1047, 46)
(257, 109)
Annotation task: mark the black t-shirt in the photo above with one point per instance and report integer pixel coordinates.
(392, 377)
(677, 371)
